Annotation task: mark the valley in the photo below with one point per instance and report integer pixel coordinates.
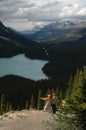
(43, 64)
(64, 48)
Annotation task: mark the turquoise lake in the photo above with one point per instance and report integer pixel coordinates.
(22, 66)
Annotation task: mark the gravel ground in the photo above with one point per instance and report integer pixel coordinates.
(24, 120)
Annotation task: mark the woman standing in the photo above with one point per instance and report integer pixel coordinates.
(48, 102)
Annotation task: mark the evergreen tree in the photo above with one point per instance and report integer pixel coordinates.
(3, 104)
(10, 107)
(84, 72)
(40, 103)
(32, 102)
(18, 108)
(57, 98)
(69, 89)
(7, 107)
(76, 102)
(60, 95)
(27, 105)
(78, 98)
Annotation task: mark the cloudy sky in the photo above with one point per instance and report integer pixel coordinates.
(25, 14)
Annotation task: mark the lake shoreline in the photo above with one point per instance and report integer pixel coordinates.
(24, 67)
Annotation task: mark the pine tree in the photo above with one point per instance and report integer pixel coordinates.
(3, 104)
(82, 99)
(32, 102)
(7, 107)
(84, 72)
(40, 103)
(69, 89)
(27, 105)
(60, 95)
(10, 107)
(18, 108)
(77, 91)
(78, 98)
(57, 98)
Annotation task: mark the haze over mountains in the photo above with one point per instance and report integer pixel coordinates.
(60, 31)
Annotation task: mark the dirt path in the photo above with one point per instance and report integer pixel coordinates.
(24, 120)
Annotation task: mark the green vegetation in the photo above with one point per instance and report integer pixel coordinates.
(77, 100)
(64, 58)
(32, 102)
(19, 93)
(72, 107)
(61, 122)
(40, 103)
(27, 105)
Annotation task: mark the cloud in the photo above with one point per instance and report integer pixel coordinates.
(82, 12)
(69, 11)
(50, 5)
(28, 13)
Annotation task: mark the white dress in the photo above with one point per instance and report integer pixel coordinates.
(47, 105)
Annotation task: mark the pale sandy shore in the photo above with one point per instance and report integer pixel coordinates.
(24, 120)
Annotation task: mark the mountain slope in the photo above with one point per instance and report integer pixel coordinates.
(11, 35)
(64, 55)
(12, 43)
(59, 31)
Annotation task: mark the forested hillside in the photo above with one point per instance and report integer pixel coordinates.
(18, 93)
(18, 90)
(65, 58)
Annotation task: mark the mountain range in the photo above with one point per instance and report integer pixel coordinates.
(59, 32)
(63, 45)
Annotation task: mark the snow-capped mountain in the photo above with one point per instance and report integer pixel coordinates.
(59, 29)
(37, 28)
